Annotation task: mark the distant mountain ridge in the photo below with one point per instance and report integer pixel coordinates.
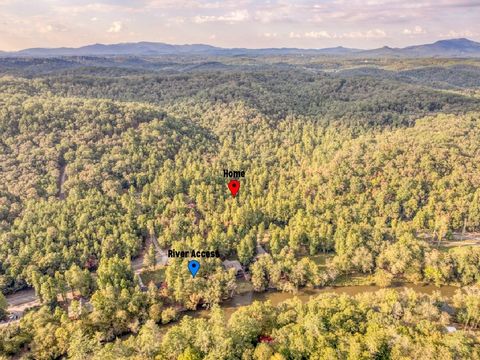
(155, 49)
(139, 48)
(443, 48)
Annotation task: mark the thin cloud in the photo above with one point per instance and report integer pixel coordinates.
(452, 34)
(116, 27)
(417, 30)
(230, 18)
(319, 34)
(369, 34)
(194, 4)
(270, 35)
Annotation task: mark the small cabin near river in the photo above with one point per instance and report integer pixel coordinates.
(234, 264)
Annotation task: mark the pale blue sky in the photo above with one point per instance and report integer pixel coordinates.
(236, 23)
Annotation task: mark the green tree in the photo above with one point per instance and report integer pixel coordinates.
(3, 306)
(150, 258)
(115, 272)
(79, 280)
(190, 354)
(383, 278)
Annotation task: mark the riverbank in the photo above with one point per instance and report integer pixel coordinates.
(245, 296)
(276, 297)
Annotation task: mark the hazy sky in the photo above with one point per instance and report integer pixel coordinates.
(236, 23)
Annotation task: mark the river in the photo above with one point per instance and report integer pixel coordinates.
(276, 297)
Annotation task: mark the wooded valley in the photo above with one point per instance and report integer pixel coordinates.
(373, 167)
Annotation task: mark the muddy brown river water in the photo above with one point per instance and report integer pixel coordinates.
(276, 297)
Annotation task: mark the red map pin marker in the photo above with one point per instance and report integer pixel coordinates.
(234, 186)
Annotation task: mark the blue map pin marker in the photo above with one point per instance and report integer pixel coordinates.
(193, 266)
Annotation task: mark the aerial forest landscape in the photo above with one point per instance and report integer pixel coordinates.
(240, 202)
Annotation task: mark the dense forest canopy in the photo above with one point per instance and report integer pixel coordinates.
(373, 164)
